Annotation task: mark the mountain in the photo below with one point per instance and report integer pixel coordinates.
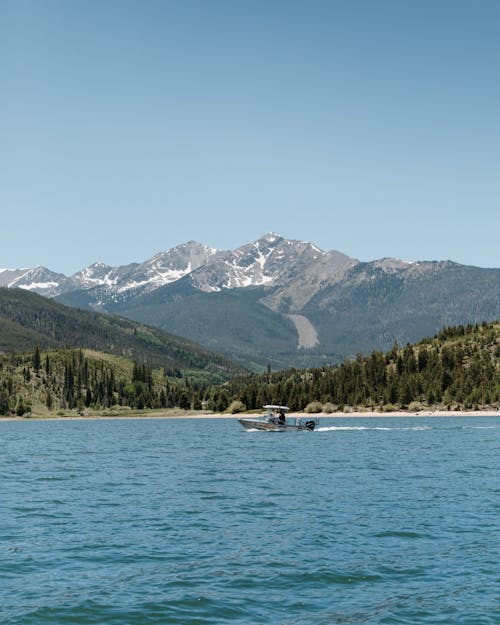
(363, 307)
(271, 261)
(385, 301)
(28, 320)
(283, 302)
(108, 283)
(295, 266)
(244, 303)
(36, 279)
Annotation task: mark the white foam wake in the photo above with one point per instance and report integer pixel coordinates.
(339, 428)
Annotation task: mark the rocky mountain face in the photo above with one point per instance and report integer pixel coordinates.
(277, 301)
(36, 279)
(296, 267)
(113, 282)
(292, 271)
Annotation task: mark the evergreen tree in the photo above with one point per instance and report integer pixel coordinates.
(36, 360)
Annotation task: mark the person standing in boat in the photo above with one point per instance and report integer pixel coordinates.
(281, 417)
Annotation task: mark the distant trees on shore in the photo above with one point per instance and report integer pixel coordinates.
(458, 368)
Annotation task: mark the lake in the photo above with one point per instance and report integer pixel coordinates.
(190, 522)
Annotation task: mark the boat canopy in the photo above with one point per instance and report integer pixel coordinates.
(273, 407)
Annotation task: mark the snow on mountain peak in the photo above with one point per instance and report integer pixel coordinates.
(269, 261)
(271, 237)
(99, 265)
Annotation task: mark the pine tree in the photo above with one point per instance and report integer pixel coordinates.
(36, 360)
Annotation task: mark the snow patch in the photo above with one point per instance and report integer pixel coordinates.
(19, 278)
(317, 249)
(38, 285)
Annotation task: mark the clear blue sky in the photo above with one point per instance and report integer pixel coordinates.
(127, 127)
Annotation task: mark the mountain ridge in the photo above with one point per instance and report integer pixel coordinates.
(282, 302)
(252, 264)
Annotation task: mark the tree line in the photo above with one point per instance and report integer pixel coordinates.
(70, 380)
(458, 368)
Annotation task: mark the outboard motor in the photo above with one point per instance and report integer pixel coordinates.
(310, 425)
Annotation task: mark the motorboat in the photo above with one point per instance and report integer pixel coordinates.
(275, 421)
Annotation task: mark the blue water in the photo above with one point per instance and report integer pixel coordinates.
(198, 521)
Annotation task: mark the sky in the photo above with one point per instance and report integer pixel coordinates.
(130, 126)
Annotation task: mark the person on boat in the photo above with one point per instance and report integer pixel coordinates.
(281, 417)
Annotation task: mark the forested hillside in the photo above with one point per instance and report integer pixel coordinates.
(28, 320)
(458, 368)
(69, 382)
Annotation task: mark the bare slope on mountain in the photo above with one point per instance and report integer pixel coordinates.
(307, 335)
(28, 320)
(230, 321)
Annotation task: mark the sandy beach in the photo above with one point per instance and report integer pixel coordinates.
(204, 415)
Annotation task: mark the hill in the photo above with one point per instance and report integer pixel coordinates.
(28, 320)
(70, 381)
(457, 369)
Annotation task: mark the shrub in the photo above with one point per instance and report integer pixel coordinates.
(329, 407)
(389, 408)
(415, 406)
(236, 406)
(314, 407)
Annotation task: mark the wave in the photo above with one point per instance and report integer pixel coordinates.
(333, 428)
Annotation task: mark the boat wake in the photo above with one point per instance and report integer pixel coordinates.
(413, 428)
(347, 428)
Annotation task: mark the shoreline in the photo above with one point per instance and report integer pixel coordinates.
(398, 414)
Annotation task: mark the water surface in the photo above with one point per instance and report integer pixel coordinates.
(193, 522)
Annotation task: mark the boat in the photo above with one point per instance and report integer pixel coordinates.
(275, 421)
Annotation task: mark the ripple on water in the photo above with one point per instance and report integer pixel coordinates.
(155, 522)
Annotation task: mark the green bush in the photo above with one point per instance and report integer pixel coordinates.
(236, 406)
(389, 408)
(314, 407)
(328, 408)
(415, 406)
